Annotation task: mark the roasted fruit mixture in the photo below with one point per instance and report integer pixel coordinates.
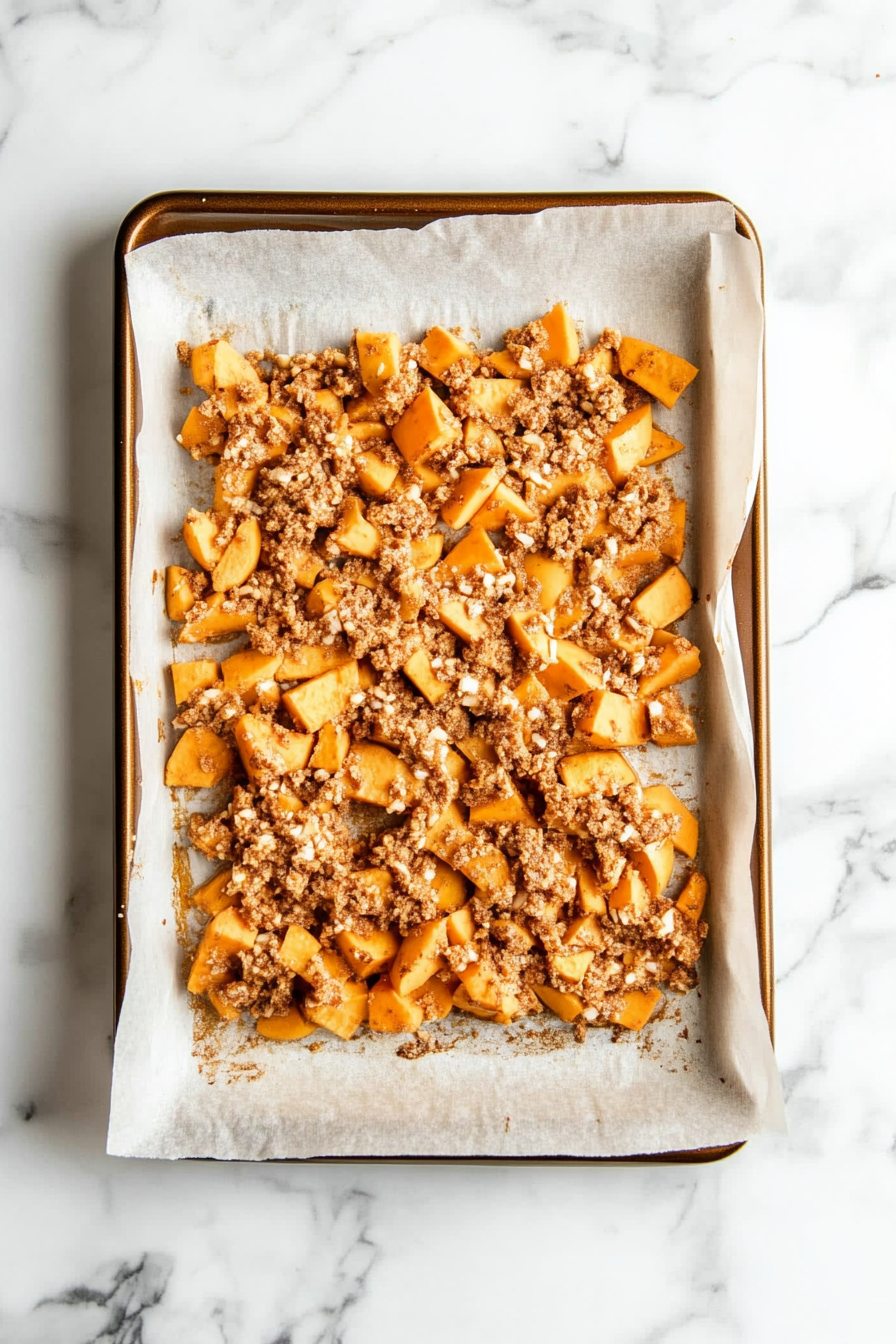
(458, 574)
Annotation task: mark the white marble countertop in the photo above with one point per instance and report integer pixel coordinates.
(788, 109)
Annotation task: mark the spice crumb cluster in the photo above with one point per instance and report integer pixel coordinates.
(457, 572)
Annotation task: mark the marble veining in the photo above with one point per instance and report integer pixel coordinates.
(788, 108)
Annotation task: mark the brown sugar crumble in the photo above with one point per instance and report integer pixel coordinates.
(457, 575)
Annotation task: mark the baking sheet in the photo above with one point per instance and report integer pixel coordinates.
(183, 1086)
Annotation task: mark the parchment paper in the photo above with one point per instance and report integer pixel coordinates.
(678, 275)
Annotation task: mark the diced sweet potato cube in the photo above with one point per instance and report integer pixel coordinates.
(672, 543)
(425, 551)
(201, 536)
(205, 432)
(506, 807)
(588, 772)
(461, 999)
(289, 417)
(343, 1018)
(354, 534)
(633, 554)
(601, 360)
(591, 892)
(659, 798)
(426, 426)
(372, 434)
(570, 966)
(481, 441)
(190, 677)
(487, 868)
(664, 375)
(199, 760)
(322, 698)
(419, 669)
(305, 567)
(678, 661)
(567, 1006)
(421, 954)
(324, 597)
(222, 1005)
(563, 340)
(614, 720)
(223, 938)
(664, 600)
(460, 926)
(471, 491)
(585, 932)
(331, 749)
(290, 1026)
(231, 369)
(449, 887)
(435, 997)
(373, 774)
(527, 631)
(512, 933)
(267, 696)
(324, 399)
(595, 480)
(502, 503)
(212, 896)
(530, 692)
(661, 446)
(629, 638)
(202, 365)
(311, 661)
(244, 670)
(504, 362)
(485, 987)
(670, 723)
(232, 483)
(215, 622)
(391, 1011)
(693, 896)
(491, 396)
(655, 863)
(440, 350)
(475, 549)
(553, 576)
(373, 887)
(368, 953)
(571, 671)
(639, 1005)
(630, 894)
(379, 355)
(265, 747)
(364, 410)
(179, 595)
(628, 443)
(375, 476)
(455, 615)
(478, 749)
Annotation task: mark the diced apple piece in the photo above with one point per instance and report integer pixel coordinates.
(595, 480)
(455, 615)
(425, 551)
(585, 932)
(324, 597)
(331, 749)
(215, 622)
(190, 677)
(631, 554)
(679, 661)
(591, 892)
(630, 895)
(461, 999)
(298, 949)
(553, 576)
(373, 774)
(661, 446)
(659, 798)
(570, 966)
(201, 536)
(379, 355)
(223, 938)
(509, 931)
(205, 432)
(343, 1018)
(373, 433)
(563, 340)
(289, 417)
(290, 1026)
(368, 953)
(200, 760)
(478, 749)
(311, 661)
(628, 443)
(613, 720)
(240, 558)
(664, 375)
(491, 396)
(664, 600)
(473, 488)
(180, 597)
(441, 349)
(426, 426)
(265, 747)
(475, 549)
(353, 534)
(232, 483)
(419, 669)
(305, 567)
(232, 369)
(212, 896)
(481, 441)
(567, 1006)
(421, 954)
(449, 887)
(670, 723)
(655, 863)
(375, 476)
(202, 365)
(460, 926)
(391, 1011)
(322, 698)
(639, 1005)
(324, 399)
(435, 998)
(672, 543)
(530, 692)
(485, 987)
(693, 896)
(589, 772)
(502, 503)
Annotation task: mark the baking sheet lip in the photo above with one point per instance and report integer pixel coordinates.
(142, 215)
